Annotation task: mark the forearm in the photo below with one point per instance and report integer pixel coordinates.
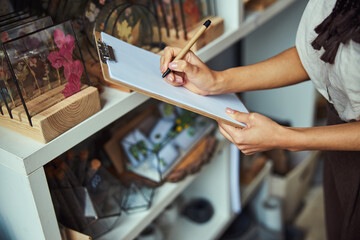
(282, 70)
(344, 137)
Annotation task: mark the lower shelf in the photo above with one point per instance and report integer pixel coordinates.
(129, 226)
(186, 229)
(247, 191)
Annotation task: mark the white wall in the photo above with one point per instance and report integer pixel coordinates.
(294, 104)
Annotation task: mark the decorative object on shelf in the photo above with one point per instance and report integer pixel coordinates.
(250, 167)
(272, 215)
(17, 22)
(181, 19)
(46, 82)
(150, 146)
(199, 210)
(86, 199)
(192, 163)
(280, 158)
(26, 28)
(132, 22)
(137, 197)
(258, 5)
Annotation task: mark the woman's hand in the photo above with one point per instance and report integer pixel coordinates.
(260, 134)
(190, 72)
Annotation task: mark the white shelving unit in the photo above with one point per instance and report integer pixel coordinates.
(25, 204)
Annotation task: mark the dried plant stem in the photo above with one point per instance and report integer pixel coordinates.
(6, 83)
(33, 74)
(23, 89)
(46, 77)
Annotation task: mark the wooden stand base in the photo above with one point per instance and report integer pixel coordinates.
(51, 116)
(258, 5)
(215, 29)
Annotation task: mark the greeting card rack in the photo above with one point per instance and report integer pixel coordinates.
(45, 89)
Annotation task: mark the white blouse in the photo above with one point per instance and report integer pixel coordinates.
(339, 83)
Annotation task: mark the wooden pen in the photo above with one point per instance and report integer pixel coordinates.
(189, 44)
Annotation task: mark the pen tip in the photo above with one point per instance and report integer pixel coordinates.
(207, 23)
(166, 73)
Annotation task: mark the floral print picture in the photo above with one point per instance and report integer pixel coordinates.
(63, 58)
(131, 22)
(47, 61)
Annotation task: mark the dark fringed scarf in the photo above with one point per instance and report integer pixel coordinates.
(341, 26)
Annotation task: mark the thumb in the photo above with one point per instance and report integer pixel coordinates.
(238, 116)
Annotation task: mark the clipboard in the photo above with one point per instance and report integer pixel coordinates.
(136, 69)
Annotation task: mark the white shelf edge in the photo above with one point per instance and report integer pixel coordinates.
(247, 191)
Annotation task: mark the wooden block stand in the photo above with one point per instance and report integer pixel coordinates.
(215, 29)
(52, 114)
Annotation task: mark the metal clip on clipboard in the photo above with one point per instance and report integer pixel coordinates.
(106, 52)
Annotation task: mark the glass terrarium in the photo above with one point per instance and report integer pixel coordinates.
(86, 197)
(42, 68)
(161, 140)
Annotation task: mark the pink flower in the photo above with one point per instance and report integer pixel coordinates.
(4, 37)
(57, 61)
(67, 43)
(73, 68)
(63, 58)
(73, 86)
(66, 54)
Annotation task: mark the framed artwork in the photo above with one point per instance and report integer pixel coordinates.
(45, 61)
(133, 23)
(13, 19)
(17, 23)
(25, 28)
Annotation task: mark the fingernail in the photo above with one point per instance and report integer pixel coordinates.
(173, 65)
(170, 78)
(179, 80)
(229, 110)
(162, 69)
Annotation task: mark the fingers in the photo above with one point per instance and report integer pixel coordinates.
(246, 149)
(182, 66)
(175, 79)
(238, 116)
(169, 54)
(226, 134)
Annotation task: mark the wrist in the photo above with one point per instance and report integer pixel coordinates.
(292, 139)
(219, 85)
